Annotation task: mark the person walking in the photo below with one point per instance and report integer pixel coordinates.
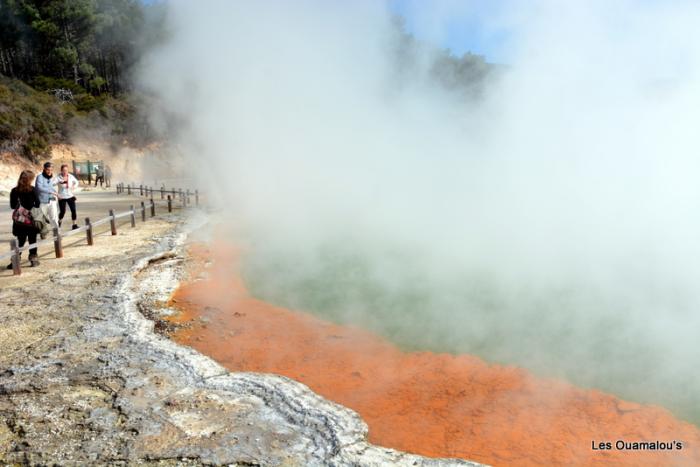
(67, 183)
(45, 189)
(22, 199)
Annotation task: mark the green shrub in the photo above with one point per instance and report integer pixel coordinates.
(31, 120)
(88, 103)
(35, 147)
(44, 83)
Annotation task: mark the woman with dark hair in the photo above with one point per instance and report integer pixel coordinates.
(22, 200)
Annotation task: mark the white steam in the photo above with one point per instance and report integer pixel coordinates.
(569, 190)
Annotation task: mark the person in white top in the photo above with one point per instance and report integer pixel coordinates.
(67, 184)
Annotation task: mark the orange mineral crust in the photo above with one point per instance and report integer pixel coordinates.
(436, 405)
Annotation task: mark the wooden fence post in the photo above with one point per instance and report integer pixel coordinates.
(16, 269)
(57, 244)
(133, 216)
(170, 204)
(128, 189)
(88, 232)
(173, 190)
(162, 192)
(196, 197)
(113, 222)
(140, 190)
(188, 201)
(143, 211)
(153, 207)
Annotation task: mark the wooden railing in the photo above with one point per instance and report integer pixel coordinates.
(168, 197)
(185, 196)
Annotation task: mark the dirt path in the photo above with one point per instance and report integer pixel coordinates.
(94, 203)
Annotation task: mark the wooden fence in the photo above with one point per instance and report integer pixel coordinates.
(172, 198)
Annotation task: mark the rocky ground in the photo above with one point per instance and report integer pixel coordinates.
(85, 380)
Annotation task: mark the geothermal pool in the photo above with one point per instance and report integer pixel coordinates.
(640, 344)
(434, 404)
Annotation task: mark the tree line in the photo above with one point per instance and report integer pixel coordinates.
(92, 44)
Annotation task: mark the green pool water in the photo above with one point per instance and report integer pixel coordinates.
(567, 331)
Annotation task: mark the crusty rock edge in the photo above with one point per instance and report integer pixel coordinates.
(338, 433)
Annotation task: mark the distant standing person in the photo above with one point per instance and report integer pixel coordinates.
(108, 176)
(45, 189)
(67, 183)
(99, 176)
(22, 200)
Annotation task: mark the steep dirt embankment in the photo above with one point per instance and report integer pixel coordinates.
(434, 405)
(153, 164)
(11, 166)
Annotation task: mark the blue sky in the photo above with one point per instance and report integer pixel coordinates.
(483, 27)
(459, 25)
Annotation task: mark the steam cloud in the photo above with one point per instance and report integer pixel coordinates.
(552, 222)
